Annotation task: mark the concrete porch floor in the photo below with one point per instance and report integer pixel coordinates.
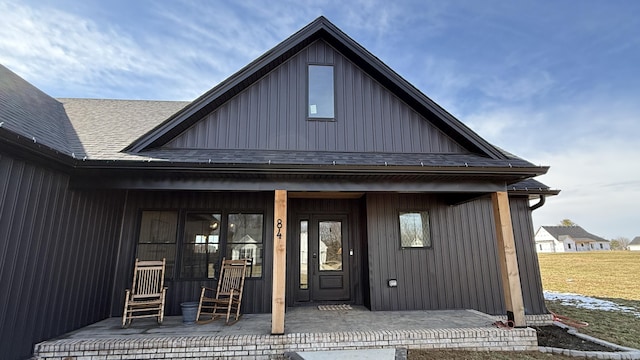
(306, 329)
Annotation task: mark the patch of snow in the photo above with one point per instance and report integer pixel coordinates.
(586, 302)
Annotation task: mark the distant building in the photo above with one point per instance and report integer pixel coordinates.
(551, 239)
(634, 245)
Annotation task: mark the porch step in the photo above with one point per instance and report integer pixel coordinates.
(363, 354)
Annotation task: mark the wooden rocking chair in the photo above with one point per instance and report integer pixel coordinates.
(228, 296)
(147, 294)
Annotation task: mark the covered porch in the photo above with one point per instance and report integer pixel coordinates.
(306, 329)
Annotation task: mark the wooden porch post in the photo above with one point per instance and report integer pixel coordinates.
(508, 260)
(279, 262)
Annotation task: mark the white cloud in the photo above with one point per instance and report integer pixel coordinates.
(589, 143)
(522, 87)
(47, 45)
(600, 183)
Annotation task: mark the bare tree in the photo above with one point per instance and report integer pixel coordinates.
(567, 222)
(620, 243)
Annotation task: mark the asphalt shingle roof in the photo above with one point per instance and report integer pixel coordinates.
(250, 156)
(575, 232)
(635, 241)
(29, 112)
(105, 127)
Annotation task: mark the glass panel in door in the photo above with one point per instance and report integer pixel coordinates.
(330, 245)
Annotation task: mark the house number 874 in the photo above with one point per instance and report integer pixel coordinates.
(279, 226)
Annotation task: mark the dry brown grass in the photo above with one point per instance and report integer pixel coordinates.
(606, 274)
(480, 355)
(610, 275)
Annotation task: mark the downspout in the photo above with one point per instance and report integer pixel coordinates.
(539, 204)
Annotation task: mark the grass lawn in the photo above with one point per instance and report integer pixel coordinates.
(602, 274)
(608, 275)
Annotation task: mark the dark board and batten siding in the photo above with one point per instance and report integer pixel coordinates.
(460, 270)
(271, 115)
(57, 251)
(257, 292)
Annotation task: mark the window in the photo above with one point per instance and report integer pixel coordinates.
(321, 102)
(244, 240)
(158, 238)
(414, 229)
(197, 252)
(304, 247)
(601, 247)
(569, 245)
(540, 246)
(201, 246)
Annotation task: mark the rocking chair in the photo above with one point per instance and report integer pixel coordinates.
(228, 296)
(147, 294)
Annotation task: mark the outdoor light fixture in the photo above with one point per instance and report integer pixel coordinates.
(392, 283)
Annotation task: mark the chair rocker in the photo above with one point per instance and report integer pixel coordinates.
(228, 296)
(146, 297)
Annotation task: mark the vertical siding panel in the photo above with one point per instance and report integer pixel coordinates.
(491, 256)
(43, 232)
(461, 255)
(475, 232)
(25, 200)
(460, 270)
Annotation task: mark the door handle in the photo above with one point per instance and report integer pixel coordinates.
(314, 255)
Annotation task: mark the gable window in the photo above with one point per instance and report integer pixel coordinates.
(414, 229)
(321, 92)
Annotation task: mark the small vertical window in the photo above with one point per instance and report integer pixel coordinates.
(321, 103)
(304, 255)
(244, 240)
(157, 238)
(414, 229)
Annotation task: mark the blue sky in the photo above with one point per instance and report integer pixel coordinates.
(554, 81)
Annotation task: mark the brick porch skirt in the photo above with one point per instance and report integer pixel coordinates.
(274, 346)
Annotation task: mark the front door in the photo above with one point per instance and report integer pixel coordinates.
(323, 258)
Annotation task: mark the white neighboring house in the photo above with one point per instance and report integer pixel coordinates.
(568, 239)
(634, 245)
